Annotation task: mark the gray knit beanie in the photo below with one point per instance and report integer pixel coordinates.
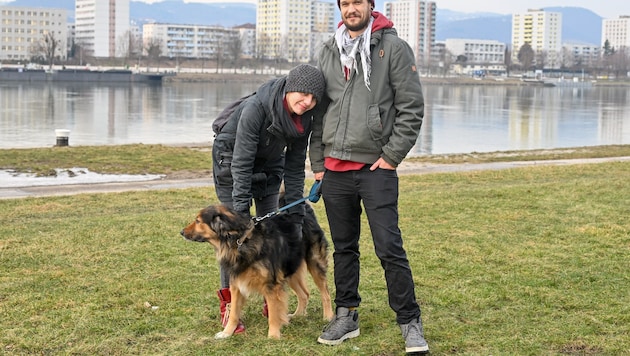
(308, 79)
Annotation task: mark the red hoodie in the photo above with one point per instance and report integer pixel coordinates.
(337, 165)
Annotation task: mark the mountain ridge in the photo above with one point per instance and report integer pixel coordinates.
(579, 25)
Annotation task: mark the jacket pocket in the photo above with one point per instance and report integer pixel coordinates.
(374, 124)
(222, 153)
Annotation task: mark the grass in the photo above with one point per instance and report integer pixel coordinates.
(527, 261)
(128, 159)
(185, 161)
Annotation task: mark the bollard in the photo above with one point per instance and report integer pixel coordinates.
(62, 137)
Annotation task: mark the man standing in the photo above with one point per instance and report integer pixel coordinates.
(372, 121)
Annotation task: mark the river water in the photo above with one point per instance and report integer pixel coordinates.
(458, 119)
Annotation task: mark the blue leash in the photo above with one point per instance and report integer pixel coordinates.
(313, 197)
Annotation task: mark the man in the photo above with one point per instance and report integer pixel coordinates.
(263, 143)
(372, 121)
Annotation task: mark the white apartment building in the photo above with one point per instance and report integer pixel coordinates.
(247, 34)
(580, 55)
(22, 30)
(192, 41)
(102, 27)
(617, 32)
(543, 31)
(477, 51)
(480, 55)
(283, 29)
(414, 21)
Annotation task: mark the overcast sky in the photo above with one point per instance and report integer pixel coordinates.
(604, 8)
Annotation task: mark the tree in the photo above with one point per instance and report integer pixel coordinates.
(234, 49)
(153, 47)
(47, 49)
(541, 59)
(526, 56)
(263, 45)
(129, 46)
(567, 59)
(608, 50)
(507, 57)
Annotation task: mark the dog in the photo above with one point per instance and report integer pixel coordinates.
(264, 257)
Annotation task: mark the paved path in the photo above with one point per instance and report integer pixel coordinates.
(405, 168)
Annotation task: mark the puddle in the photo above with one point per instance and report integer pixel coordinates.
(10, 178)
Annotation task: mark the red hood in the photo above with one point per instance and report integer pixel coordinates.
(380, 22)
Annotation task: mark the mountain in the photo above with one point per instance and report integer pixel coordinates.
(578, 24)
(169, 11)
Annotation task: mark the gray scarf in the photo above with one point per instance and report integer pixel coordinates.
(349, 47)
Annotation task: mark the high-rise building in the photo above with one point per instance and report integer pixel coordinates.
(102, 27)
(414, 21)
(323, 25)
(543, 31)
(323, 17)
(283, 29)
(23, 31)
(617, 32)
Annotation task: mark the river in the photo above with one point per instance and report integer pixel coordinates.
(458, 119)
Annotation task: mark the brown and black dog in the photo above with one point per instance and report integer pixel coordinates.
(264, 257)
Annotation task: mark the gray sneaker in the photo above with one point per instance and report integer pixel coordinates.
(414, 337)
(345, 325)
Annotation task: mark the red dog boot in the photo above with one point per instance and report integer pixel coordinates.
(225, 298)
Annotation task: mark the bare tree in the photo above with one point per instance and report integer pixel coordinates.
(234, 49)
(542, 59)
(129, 46)
(567, 59)
(446, 60)
(47, 49)
(263, 42)
(619, 62)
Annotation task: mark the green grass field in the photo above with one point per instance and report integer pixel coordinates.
(528, 261)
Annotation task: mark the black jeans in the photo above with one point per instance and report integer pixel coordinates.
(343, 193)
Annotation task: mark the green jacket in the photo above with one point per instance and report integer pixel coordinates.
(362, 125)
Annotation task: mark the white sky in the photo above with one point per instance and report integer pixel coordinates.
(604, 8)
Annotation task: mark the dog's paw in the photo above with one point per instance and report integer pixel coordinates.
(293, 315)
(221, 335)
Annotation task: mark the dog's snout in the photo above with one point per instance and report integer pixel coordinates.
(182, 232)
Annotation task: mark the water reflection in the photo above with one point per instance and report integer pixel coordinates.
(458, 118)
(498, 118)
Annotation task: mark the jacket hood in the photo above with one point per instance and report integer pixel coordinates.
(380, 22)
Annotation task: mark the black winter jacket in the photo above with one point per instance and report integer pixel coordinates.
(260, 146)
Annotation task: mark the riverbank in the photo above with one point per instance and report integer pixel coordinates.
(434, 80)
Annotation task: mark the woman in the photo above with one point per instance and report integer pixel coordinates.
(262, 144)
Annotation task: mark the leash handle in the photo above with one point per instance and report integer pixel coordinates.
(313, 196)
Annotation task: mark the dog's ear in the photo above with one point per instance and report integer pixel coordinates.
(219, 225)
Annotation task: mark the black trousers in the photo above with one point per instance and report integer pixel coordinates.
(343, 193)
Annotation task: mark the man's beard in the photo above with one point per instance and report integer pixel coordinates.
(360, 26)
